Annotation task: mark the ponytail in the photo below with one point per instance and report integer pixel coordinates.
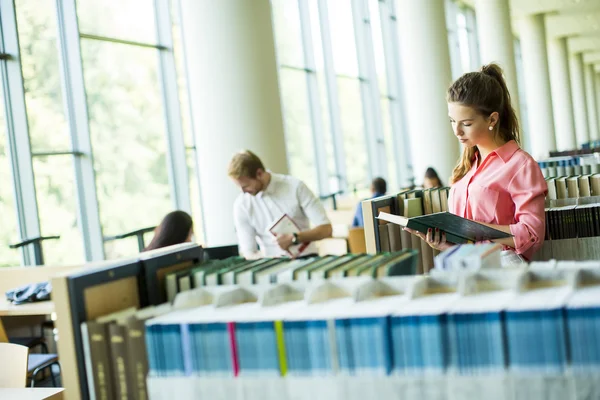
(486, 92)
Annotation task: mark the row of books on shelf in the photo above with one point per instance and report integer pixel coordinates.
(575, 186)
(573, 221)
(380, 235)
(237, 270)
(590, 147)
(570, 165)
(491, 326)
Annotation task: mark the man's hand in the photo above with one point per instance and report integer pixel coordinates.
(285, 240)
(436, 240)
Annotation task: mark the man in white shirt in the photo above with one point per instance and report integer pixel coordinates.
(265, 198)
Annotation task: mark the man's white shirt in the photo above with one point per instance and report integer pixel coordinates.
(254, 215)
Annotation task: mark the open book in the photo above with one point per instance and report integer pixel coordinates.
(458, 229)
(286, 225)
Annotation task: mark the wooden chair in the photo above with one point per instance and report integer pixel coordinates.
(13, 368)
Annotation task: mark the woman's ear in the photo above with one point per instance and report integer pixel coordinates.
(493, 120)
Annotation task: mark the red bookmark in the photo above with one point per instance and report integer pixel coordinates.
(234, 351)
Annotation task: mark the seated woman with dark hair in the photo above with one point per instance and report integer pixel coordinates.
(176, 227)
(432, 180)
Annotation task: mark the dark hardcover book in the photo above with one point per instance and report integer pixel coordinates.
(136, 357)
(120, 371)
(458, 230)
(97, 360)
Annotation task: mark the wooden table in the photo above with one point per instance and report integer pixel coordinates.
(31, 393)
(8, 309)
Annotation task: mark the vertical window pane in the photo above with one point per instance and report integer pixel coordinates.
(353, 131)
(298, 132)
(184, 102)
(124, 19)
(342, 37)
(389, 144)
(55, 191)
(195, 196)
(463, 41)
(41, 75)
(128, 138)
(288, 34)
(8, 222)
(375, 19)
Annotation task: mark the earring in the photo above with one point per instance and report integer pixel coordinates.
(491, 128)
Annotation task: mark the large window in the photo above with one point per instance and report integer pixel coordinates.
(341, 109)
(102, 143)
(48, 131)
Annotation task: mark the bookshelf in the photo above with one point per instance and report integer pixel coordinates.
(114, 286)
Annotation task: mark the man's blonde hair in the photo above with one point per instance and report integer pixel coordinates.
(245, 164)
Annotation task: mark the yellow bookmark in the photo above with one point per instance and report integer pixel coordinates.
(281, 347)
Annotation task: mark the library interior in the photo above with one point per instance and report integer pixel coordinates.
(352, 199)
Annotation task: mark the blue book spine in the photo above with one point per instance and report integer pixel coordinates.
(343, 335)
(583, 326)
(536, 340)
(210, 350)
(318, 348)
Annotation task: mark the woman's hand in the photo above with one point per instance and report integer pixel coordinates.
(436, 240)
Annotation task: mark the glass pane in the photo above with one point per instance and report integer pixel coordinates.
(48, 129)
(388, 137)
(298, 132)
(184, 102)
(288, 34)
(463, 41)
(124, 247)
(128, 138)
(55, 191)
(375, 18)
(342, 37)
(132, 20)
(8, 223)
(195, 196)
(354, 132)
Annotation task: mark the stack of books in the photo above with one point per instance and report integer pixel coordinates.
(502, 334)
(237, 270)
(382, 236)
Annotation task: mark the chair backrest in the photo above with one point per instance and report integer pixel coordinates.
(13, 368)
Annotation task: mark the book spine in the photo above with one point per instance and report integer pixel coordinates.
(101, 373)
(281, 347)
(119, 361)
(137, 357)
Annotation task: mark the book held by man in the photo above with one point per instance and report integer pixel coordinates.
(458, 230)
(286, 225)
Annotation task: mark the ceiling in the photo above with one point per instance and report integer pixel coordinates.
(577, 20)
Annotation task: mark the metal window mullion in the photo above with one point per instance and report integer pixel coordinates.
(333, 100)
(73, 91)
(314, 99)
(176, 157)
(369, 91)
(473, 41)
(191, 114)
(17, 129)
(392, 65)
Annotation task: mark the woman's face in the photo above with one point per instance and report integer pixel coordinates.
(470, 127)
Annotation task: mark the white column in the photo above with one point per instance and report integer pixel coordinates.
(537, 85)
(590, 97)
(234, 94)
(560, 84)
(426, 76)
(578, 95)
(496, 41)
